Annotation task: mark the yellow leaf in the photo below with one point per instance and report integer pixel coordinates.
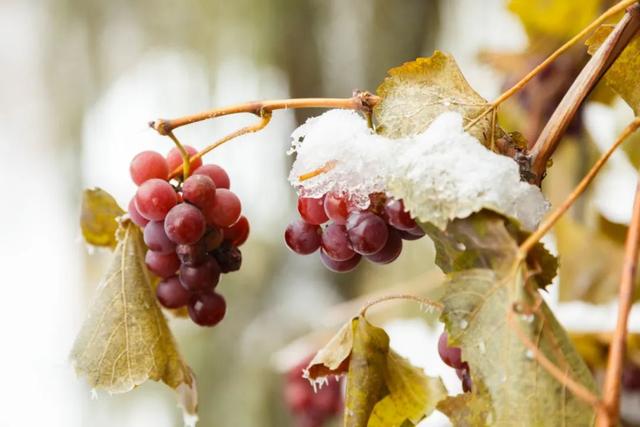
(125, 340)
(98, 217)
(383, 389)
(417, 92)
(624, 75)
(560, 19)
(467, 409)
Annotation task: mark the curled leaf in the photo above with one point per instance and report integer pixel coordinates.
(125, 339)
(98, 217)
(383, 389)
(417, 92)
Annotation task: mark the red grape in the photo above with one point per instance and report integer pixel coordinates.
(216, 173)
(135, 216)
(174, 158)
(184, 224)
(225, 210)
(238, 233)
(147, 165)
(171, 293)
(200, 277)
(391, 250)
(298, 395)
(452, 356)
(339, 266)
(207, 309)
(368, 232)
(229, 257)
(302, 238)
(194, 254)
(405, 235)
(213, 239)
(312, 210)
(335, 243)
(162, 265)
(199, 190)
(398, 217)
(156, 239)
(336, 207)
(155, 198)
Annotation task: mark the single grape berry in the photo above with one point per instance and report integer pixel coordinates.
(225, 210)
(200, 277)
(337, 208)
(213, 238)
(229, 257)
(155, 198)
(184, 224)
(162, 265)
(302, 238)
(335, 243)
(135, 216)
(298, 396)
(312, 210)
(194, 254)
(238, 233)
(216, 173)
(340, 266)
(405, 235)
(398, 217)
(452, 356)
(174, 158)
(199, 190)
(391, 250)
(172, 294)
(156, 239)
(207, 309)
(148, 165)
(631, 377)
(368, 232)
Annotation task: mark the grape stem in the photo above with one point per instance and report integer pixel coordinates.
(544, 64)
(546, 225)
(424, 301)
(615, 360)
(186, 162)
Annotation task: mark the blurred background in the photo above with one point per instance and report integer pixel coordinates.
(80, 81)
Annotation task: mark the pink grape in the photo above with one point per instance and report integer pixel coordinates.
(199, 190)
(216, 173)
(452, 356)
(155, 198)
(238, 233)
(156, 239)
(147, 165)
(336, 208)
(174, 158)
(135, 216)
(312, 210)
(225, 210)
(184, 224)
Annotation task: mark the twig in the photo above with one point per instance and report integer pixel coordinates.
(186, 162)
(580, 188)
(544, 64)
(563, 377)
(362, 101)
(625, 298)
(421, 300)
(590, 75)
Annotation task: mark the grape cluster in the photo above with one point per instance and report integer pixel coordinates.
(193, 230)
(452, 356)
(311, 409)
(345, 233)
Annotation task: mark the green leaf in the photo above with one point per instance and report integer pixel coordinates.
(417, 92)
(624, 75)
(125, 340)
(383, 389)
(506, 377)
(488, 240)
(559, 19)
(98, 217)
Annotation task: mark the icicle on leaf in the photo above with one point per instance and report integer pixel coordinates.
(506, 377)
(383, 389)
(624, 75)
(125, 339)
(98, 217)
(417, 92)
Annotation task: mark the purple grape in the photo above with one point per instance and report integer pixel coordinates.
(162, 265)
(184, 224)
(340, 266)
(452, 356)
(171, 293)
(391, 250)
(335, 243)
(302, 238)
(213, 239)
(229, 257)
(156, 239)
(200, 277)
(368, 232)
(398, 217)
(207, 309)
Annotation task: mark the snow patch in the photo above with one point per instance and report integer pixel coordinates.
(441, 174)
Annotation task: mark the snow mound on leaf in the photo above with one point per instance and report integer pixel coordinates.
(441, 174)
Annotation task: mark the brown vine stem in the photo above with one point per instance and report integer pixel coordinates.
(362, 101)
(619, 7)
(421, 300)
(613, 373)
(563, 377)
(590, 75)
(186, 162)
(580, 188)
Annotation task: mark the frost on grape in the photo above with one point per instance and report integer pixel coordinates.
(441, 174)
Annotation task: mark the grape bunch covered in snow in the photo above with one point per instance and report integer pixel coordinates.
(193, 230)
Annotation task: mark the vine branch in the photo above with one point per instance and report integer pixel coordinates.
(613, 373)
